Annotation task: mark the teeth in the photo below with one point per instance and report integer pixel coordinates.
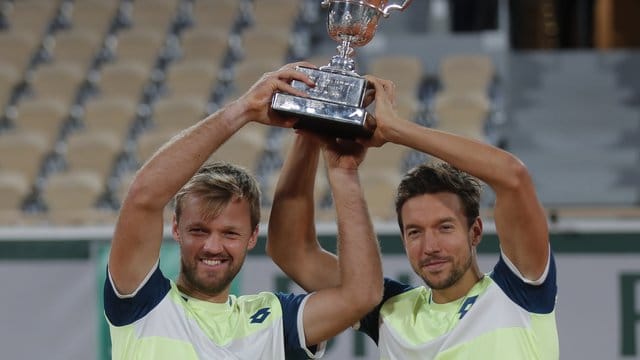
(211, 262)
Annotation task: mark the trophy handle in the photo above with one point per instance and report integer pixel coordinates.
(386, 11)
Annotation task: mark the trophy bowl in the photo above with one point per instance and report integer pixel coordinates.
(335, 106)
(351, 21)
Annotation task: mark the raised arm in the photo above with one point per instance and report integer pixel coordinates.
(292, 241)
(138, 233)
(520, 219)
(330, 310)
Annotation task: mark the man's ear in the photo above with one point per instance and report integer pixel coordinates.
(174, 229)
(476, 231)
(253, 240)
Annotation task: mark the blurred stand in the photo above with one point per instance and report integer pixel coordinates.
(616, 24)
(570, 24)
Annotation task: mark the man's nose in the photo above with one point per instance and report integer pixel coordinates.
(213, 244)
(430, 244)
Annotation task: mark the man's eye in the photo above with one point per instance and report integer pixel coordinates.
(446, 227)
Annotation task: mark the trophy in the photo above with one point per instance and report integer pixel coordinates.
(335, 106)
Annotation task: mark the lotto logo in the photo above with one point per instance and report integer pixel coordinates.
(260, 316)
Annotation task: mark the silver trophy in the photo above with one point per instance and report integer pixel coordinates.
(335, 106)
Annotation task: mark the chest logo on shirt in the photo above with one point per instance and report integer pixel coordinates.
(466, 305)
(260, 316)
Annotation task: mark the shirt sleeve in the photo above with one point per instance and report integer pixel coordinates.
(370, 323)
(292, 320)
(125, 309)
(534, 296)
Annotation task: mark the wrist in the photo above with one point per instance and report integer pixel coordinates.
(236, 114)
(343, 173)
(393, 130)
(305, 146)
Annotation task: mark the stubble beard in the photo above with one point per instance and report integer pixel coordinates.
(454, 276)
(207, 286)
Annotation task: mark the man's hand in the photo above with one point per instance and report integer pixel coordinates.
(338, 153)
(343, 154)
(257, 100)
(384, 92)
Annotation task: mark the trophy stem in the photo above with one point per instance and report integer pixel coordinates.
(345, 49)
(343, 62)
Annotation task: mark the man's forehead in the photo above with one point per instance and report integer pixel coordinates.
(438, 205)
(434, 200)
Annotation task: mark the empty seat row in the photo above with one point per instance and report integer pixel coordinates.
(115, 66)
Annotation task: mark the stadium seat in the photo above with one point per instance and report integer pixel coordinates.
(78, 47)
(94, 151)
(388, 158)
(17, 49)
(463, 114)
(23, 152)
(405, 71)
(14, 187)
(275, 15)
(244, 149)
(466, 73)
(265, 44)
(204, 44)
(218, 15)
(142, 45)
(72, 197)
(72, 190)
(177, 113)
(58, 80)
(109, 114)
(46, 117)
(195, 79)
(14, 217)
(153, 14)
(124, 79)
(32, 16)
(93, 15)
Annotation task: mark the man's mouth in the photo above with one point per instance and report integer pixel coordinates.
(212, 262)
(434, 265)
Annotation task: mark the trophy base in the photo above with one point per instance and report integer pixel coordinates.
(327, 118)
